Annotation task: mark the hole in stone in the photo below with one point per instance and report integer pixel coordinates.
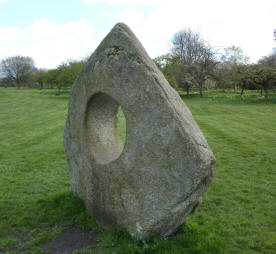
(121, 125)
(105, 128)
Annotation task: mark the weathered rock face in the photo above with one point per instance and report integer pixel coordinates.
(151, 184)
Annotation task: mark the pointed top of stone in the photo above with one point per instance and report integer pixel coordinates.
(122, 40)
(120, 34)
(121, 26)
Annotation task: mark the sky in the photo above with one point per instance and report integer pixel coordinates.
(53, 31)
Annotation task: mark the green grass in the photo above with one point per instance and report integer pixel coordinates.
(237, 215)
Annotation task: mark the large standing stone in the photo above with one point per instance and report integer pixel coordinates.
(150, 185)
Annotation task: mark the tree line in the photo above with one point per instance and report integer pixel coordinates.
(20, 71)
(193, 63)
(190, 63)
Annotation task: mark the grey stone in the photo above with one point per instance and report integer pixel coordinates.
(152, 183)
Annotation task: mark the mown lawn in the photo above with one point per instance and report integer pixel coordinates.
(237, 215)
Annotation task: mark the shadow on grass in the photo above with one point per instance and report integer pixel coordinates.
(51, 94)
(67, 210)
(190, 96)
(189, 239)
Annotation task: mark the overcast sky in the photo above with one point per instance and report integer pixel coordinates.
(52, 31)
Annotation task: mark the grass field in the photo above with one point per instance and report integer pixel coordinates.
(237, 215)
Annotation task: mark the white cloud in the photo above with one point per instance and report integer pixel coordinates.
(2, 1)
(49, 43)
(123, 2)
(248, 24)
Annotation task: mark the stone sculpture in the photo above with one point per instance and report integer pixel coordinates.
(152, 183)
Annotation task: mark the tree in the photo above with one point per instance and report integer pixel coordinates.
(64, 75)
(4, 82)
(51, 77)
(244, 76)
(233, 55)
(268, 60)
(188, 46)
(17, 69)
(265, 76)
(224, 76)
(184, 76)
(226, 69)
(68, 73)
(166, 63)
(38, 76)
(254, 76)
(195, 55)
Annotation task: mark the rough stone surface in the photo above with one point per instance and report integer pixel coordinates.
(152, 183)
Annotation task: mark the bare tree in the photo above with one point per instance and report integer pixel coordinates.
(17, 69)
(188, 46)
(195, 55)
(233, 55)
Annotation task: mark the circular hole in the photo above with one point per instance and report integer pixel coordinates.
(121, 124)
(105, 128)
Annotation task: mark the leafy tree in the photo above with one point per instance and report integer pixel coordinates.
(38, 76)
(244, 75)
(68, 73)
(226, 69)
(17, 69)
(166, 63)
(184, 76)
(5, 82)
(64, 75)
(265, 76)
(51, 77)
(269, 60)
(175, 72)
(224, 76)
(254, 76)
(195, 56)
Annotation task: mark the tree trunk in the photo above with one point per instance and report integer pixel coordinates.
(200, 89)
(41, 85)
(242, 90)
(187, 90)
(58, 93)
(266, 94)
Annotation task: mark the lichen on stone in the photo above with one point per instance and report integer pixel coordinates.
(115, 50)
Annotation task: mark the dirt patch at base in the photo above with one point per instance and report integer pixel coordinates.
(70, 240)
(21, 237)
